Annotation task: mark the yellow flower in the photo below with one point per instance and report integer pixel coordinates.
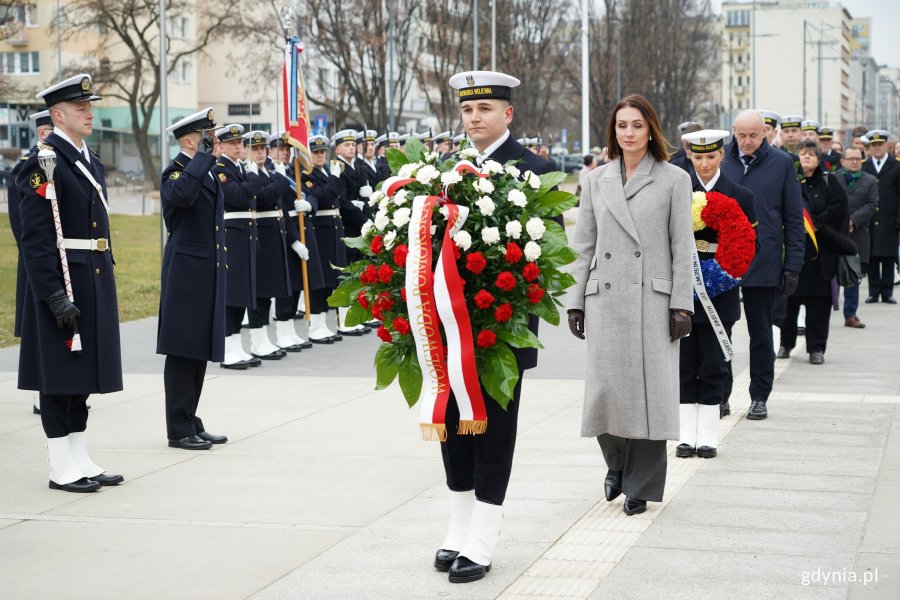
(698, 203)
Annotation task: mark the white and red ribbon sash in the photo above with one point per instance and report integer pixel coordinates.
(74, 344)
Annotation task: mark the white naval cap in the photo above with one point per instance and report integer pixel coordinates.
(705, 140)
(770, 117)
(827, 132)
(686, 124)
(402, 138)
(257, 137)
(345, 135)
(458, 139)
(810, 125)
(199, 121)
(483, 85)
(368, 134)
(73, 89)
(878, 135)
(318, 143)
(41, 118)
(444, 136)
(791, 121)
(230, 132)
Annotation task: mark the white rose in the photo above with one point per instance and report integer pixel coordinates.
(381, 220)
(469, 152)
(485, 205)
(433, 229)
(407, 170)
(431, 156)
(517, 197)
(512, 171)
(513, 230)
(535, 227)
(400, 197)
(463, 240)
(532, 251)
(366, 228)
(484, 185)
(384, 203)
(376, 197)
(427, 174)
(451, 177)
(401, 216)
(534, 181)
(491, 167)
(490, 235)
(444, 212)
(390, 239)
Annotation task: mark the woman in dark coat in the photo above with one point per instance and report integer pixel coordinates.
(825, 205)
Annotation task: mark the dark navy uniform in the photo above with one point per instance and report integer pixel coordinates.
(12, 198)
(885, 225)
(323, 191)
(272, 280)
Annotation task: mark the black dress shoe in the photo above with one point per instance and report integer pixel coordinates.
(757, 411)
(241, 365)
(612, 486)
(443, 559)
(191, 442)
(706, 452)
(783, 353)
(633, 506)
(373, 324)
(817, 358)
(328, 340)
(35, 410)
(724, 410)
(274, 355)
(212, 438)
(889, 300)
(104, 479)
(306, 345)
(684, 451)
(82, 486)
(464, 570)
(254, 362)
(294, 348)
(354, 332)
(337, 337)
(872, 300)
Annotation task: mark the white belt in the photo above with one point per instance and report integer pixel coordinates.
(292, 213)
(268, 214)
(704, 246)
(328, 212)
(99, 245)
(240, 215)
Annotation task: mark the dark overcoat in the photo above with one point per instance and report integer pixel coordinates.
(241, 238)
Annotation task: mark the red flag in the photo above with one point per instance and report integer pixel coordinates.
(296, 117)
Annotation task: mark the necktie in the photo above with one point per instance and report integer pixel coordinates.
(748, 160)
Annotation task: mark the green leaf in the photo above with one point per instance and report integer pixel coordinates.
(546, 309)
(346, 292)
(557, 255)
(555, 203)
(415, 150)
(356, 315)
(359, 266)
(396, 159)
(387, 365)
(500, 375)
(554, 234)
(411, 378)
(556, 281)
(549, 180)
(520, 338)
(357, 243)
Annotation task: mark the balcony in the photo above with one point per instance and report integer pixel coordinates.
(19, 35)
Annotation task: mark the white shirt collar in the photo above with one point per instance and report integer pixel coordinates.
(879, 163)
(346, 162)
(83, 150)
(493, 147)
(712, 182)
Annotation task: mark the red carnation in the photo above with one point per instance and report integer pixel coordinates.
(456, 253)
(401, 325)
(362, 300)
(377, 245)
(385, 272)
(486, 338)
(370, 275)
(531, 272)
(403, 294)
(400, 253)
(535, 293)
(475, 262)
(384, 334)
(483, 299)
(505, 281)
(513, 253)
(503, 313)
(383, 303)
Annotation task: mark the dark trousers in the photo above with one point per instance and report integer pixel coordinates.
(702, 365)
(234, 315)
(318, 301)
(818, 314)
(482, 462)
(779, 310)
(259, 316)
(183, 380)
(286, 308)
(851, 296)
(642, 463)
(729, 380)
(63, 414)
(758, 302)
(881, 276)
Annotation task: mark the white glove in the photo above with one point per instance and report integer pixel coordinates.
(357, 203)
(335, 168)
(365, 191)
(302, 206)
(279, 168)
(252, 168)
(301, 250)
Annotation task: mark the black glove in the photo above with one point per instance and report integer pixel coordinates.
(206, 145)
(789, 282)
(576, 323)
(679, 325)
(64, 311)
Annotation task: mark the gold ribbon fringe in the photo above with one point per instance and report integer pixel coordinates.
(472, 427)
(433, 432)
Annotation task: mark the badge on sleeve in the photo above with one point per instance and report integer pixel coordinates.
(222, 177)
(36, 180)
(175, 175)
(309, 184)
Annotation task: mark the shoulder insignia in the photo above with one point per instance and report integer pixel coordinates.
(222, 177)
(175, 175)
(36, 180)
(178, 163)
(309, 184)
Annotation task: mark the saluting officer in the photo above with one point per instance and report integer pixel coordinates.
(50, 317)
(192, 292)
(241, 243)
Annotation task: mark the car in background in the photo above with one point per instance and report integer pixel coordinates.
(6, 167)
(570, 163)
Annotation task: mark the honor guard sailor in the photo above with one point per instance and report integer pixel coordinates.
(191, 329)
(791, 135)
(831, 159)
(442, 142)
(771, 120)
(70, 298)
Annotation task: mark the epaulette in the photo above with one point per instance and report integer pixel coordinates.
(177, 163)
(218, 164)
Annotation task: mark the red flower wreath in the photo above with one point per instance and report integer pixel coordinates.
(737, 239)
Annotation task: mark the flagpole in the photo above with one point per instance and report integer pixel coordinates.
(301, 223)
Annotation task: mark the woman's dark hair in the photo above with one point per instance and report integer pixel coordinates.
(588, 160)
(657, 146)
(810, 145)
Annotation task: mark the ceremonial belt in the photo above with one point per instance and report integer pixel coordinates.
(98, 245)
(292, 213)
(97, 186)
(328, 212)
(269, 214)
(240, 215)
(704, 246)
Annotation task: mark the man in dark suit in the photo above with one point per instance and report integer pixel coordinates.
(60, 306)
(886, 222)
(862, 202)
(478, 467)
(191, 328)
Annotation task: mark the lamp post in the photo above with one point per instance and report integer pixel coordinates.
(163, 109)
(474, 35)
(585, 91)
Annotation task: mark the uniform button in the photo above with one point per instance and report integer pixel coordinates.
(94, 224)
(217, 246)
(607, 286)
(226, 266)
(226, 248)
(217, 227)
(608, 255)
(638, 254)
(217, 265)
(876, 222)
(97, 271)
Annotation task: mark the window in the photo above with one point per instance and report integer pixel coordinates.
(243, 109)
(30, 15)
(186, 72)
(738, 18)
(17, 63)
(740, 80)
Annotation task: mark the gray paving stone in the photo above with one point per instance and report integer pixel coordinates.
(697, 494)
(759, 518)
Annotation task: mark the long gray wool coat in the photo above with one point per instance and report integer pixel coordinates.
(634, 265)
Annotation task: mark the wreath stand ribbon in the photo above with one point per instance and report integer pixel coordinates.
(710, 310)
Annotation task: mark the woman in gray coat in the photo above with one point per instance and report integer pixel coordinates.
(633, 301)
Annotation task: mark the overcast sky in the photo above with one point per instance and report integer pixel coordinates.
(885, 46)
